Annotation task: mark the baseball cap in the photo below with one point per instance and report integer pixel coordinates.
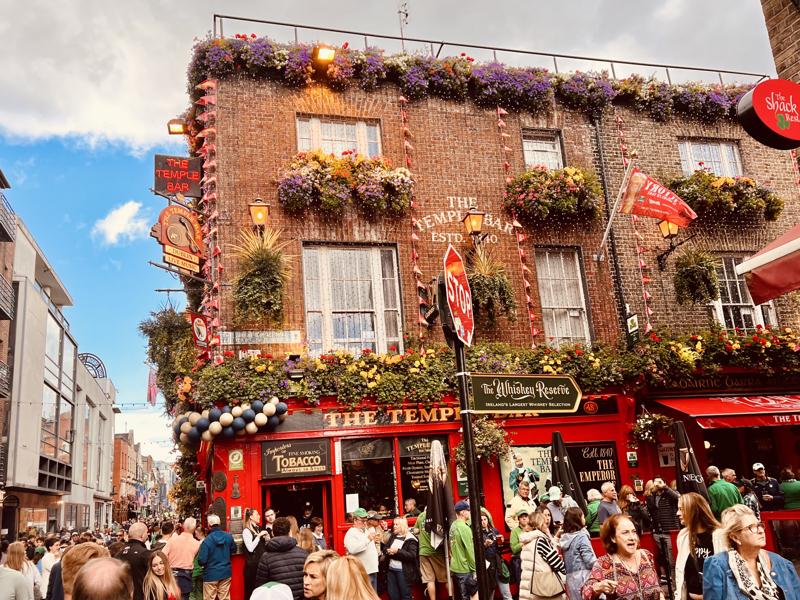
(272, 591)
(523, 511)
(554, 493)
(461, 505)
(373, 515)
(757, 466)
(39, 550)
(360, 513)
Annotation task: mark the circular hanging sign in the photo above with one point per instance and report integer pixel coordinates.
(770, 113)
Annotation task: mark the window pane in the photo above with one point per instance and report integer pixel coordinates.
(303, 135)
(687, 165)
(561, 291)
(311, 272)
(53, 342)
(542, 148)
(361, 460)
(49, 408)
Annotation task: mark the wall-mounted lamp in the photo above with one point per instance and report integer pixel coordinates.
(669, 231)
(259, 212)
(323, 55)
(473, 224)
(177, 127)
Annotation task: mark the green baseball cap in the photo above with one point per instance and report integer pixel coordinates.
(360, 513)
(523, 511)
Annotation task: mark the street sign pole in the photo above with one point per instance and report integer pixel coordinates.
(473, 475)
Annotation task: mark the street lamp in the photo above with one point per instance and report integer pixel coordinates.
(669, 231)
(259, 212)
(177, 127)
(473, 224)
(323, 55)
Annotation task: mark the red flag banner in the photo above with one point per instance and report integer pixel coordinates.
(152, 388)
(647, 197)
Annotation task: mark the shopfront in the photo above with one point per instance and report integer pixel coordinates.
(337, 459)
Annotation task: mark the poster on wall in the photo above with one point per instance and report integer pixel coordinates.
(595, 463)
(415, 460)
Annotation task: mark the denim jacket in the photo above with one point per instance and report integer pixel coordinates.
(720, 584)
(577, 550)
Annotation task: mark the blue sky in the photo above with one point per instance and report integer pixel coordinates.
(87, 90)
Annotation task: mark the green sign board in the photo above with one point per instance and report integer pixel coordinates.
(494, 393)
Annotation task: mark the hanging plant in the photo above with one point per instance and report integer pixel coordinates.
(568, 194)
(696, 279)
(492, 294)
(714, 197)
(648, 425)
(490, 440)
(265, 271)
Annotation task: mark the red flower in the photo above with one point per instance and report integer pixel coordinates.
(268, 357)
(345, 46)
(366, 351)
(392, 348)
(253, 35)
(227, 354)
(578, 352)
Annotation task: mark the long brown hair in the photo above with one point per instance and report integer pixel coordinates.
(347, 580)
(622, 497)
(155, 586)
(305, 539)
(16, 558)
(697, 516)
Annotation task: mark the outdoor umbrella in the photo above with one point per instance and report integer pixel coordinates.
(689, 477)
(439, 512)
(775, 269)
(563, 473)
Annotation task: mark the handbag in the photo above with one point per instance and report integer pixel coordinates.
(546, 583)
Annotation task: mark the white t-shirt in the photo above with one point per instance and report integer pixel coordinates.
(48, 560)
(395, 564)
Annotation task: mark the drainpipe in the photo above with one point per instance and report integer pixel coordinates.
(616, 273)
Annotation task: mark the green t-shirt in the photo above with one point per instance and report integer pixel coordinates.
(424, 537)
(791, 493)
(723, 495)
(462, 552)
(592, 522)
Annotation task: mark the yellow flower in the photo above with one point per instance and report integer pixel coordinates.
(413, 370)
(260, 368)
(364, 374)
(548, 369)
(371, 384)
(271, 368)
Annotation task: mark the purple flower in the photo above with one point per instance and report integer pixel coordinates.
(370, 70)
(590, 92)
(259, 56)
(299, 68)
(414, 83)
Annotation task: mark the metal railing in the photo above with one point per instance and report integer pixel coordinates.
(5, 380)
(6, 299)
(435, 48)
(8, 222)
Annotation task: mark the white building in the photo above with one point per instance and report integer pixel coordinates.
(61, 427)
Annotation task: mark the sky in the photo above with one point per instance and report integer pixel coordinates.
(86, 89)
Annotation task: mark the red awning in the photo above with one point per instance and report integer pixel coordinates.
(739, 411)
(774, 270)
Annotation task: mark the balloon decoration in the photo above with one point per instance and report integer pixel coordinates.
(190, 428)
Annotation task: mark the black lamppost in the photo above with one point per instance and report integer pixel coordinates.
(669, 231)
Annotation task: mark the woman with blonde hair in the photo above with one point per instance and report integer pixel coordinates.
(315, 574)
(746, 571)
(542, 567)
(305, 539)
(402, 549)
(347, 580)
(17, 560)
(159, 583)
(696, 542)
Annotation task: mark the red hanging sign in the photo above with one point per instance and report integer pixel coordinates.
(647, 197)
(770, 113)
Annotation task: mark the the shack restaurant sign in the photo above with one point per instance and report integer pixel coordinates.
(770, 113)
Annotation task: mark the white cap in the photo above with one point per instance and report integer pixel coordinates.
(272, 591)
(554, 493)
(757, 466)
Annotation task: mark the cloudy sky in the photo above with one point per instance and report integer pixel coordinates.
(86, 88)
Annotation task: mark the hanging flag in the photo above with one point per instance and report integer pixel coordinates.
(774, 270)
(152, 387)
(645, 196)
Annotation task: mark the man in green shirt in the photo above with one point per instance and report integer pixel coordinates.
(462, 553)
(721, 494)
(431, 560)
(592, 522)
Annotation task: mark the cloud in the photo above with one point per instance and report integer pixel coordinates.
(150, 429)
(123, 223)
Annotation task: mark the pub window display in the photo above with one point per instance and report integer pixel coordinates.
(369, 477)
(415, 460)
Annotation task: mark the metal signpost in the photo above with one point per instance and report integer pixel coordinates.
(458, 323)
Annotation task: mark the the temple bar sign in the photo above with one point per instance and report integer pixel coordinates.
(493, 393)
(178, 175)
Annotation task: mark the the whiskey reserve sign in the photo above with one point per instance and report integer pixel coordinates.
(494, 393)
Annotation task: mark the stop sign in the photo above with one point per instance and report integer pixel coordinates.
(459, 296)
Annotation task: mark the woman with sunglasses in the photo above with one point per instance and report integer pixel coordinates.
(747, 571)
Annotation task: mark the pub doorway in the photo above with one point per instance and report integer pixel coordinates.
(293, 498)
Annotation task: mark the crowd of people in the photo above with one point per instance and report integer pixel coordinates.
(719, 552)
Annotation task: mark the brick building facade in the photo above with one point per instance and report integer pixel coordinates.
(783, 26)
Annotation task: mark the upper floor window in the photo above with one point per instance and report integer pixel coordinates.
(735, 307)
(721, 158)
(561, 289)
(352, 299)
(335, 136)
(542, 148)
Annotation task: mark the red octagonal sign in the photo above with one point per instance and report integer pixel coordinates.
(459, 296)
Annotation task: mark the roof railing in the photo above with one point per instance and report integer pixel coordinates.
(435, 48)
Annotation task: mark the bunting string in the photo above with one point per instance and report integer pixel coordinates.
(643, 266)
(519, 234)
(421, 288)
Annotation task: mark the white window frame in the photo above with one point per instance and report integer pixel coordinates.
(693, 152)
(316, 141)
(746, 306)
(549, 143)
(378, 301)
(571, 254)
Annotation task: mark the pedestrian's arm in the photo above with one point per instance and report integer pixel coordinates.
(714, 580)
(356, 541)
(549, 554)
(466, 538)
(670, 493)
(778, 495)
(202, 555)
(516, 546)
(587, 555)
(596, 576)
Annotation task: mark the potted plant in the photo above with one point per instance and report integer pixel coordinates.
(696, 279)
(492, 294)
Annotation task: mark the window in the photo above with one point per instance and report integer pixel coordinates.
(415, 462)
(542, 148)
(721, 158)
(735, 307)
(47, 444)
(101, 441)
(336, 136)
(352, 299)
(65, 432)
(563, 302)
(361, 461)
(87, 435)
(52, 360)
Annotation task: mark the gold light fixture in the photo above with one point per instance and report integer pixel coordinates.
(473, 222)
(259, 212)
(323, 55)
(668, 229)
(177, 127)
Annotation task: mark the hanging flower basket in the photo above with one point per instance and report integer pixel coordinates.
(696, 279)
(568, 194)
(649, 425)
(490, 440)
